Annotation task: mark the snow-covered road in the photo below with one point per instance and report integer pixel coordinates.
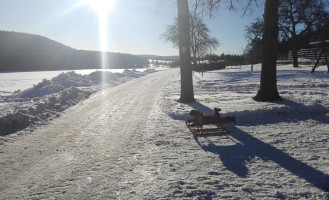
(97, 149)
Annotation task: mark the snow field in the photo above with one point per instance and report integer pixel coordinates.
(277, 150)
(232, 90)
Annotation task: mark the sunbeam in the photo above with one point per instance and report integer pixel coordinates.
(103, 8)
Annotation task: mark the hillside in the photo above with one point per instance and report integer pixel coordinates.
(28, 52)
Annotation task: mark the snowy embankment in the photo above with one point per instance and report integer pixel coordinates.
(50, 97)
(277, 150)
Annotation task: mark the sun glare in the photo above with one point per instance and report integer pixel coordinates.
(100, 6)
(103, 8)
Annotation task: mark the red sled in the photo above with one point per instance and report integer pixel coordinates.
(198, 120)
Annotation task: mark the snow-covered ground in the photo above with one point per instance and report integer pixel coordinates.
(46, 99)
(232, 90)
(130, 142)
(277, 150)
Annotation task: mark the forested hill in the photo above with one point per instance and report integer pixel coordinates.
(28, 52)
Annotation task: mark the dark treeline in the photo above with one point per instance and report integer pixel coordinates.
(164, 58)
(27, 52)
(232, 58)
(229, 59)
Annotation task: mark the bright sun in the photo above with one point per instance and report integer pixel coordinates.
(100, 6)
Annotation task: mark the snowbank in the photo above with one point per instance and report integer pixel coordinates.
(42, 109)
(48, 98)
(57, 84)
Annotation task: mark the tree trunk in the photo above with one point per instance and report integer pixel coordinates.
(268, 91)
(187, 94)
(294, 51)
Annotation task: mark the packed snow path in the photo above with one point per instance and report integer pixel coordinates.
(129, 142)
(92, 150)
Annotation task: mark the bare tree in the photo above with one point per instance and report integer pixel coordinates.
(187, 94)
(201, 42)
(296, 17)
(171, 34)
(255, 30)
(254, 35)
(210, 7)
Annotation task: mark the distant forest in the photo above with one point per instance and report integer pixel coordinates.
(28, 52)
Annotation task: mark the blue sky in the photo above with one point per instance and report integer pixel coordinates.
(133, 26)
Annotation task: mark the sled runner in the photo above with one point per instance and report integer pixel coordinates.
(209, 131)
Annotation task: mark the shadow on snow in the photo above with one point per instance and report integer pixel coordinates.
(248, 147)
(285, 111)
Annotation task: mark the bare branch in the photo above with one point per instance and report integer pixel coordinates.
(211, 7)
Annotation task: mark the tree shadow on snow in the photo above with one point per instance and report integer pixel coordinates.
(284, 111)
(234, 158)
(247, 147)
(294, 111)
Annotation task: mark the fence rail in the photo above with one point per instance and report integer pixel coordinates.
(308, 56)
